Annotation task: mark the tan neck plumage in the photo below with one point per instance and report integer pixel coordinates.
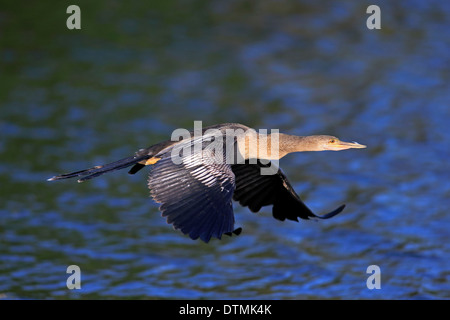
(272, 146)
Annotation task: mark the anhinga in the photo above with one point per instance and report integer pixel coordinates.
(196, 192)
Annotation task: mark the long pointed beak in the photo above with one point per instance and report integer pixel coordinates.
(341, 145)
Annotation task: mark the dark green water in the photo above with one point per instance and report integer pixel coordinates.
(71, 99)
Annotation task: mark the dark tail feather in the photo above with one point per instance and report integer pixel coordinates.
(99, 170)
(136, 168)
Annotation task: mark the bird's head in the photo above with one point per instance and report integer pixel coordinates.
(332, 143)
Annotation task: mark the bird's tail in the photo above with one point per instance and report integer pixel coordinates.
(99, 170)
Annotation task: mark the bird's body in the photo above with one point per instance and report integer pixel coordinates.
(195, 179)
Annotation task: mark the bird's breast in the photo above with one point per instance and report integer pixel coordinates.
(253, 145)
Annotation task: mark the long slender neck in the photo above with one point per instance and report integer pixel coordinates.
(290, 143)
(274, 146)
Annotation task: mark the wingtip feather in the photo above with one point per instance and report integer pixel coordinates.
(332, 213)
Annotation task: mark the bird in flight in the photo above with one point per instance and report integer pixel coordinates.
(196, 178)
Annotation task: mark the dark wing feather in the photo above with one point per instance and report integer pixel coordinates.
(195, 195)
(255, 191)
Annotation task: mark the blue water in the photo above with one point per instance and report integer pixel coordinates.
(134, 72)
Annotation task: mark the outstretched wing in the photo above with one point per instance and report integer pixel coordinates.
(195, 192)
(255, 191)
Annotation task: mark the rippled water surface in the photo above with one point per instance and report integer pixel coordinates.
(71, 99)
